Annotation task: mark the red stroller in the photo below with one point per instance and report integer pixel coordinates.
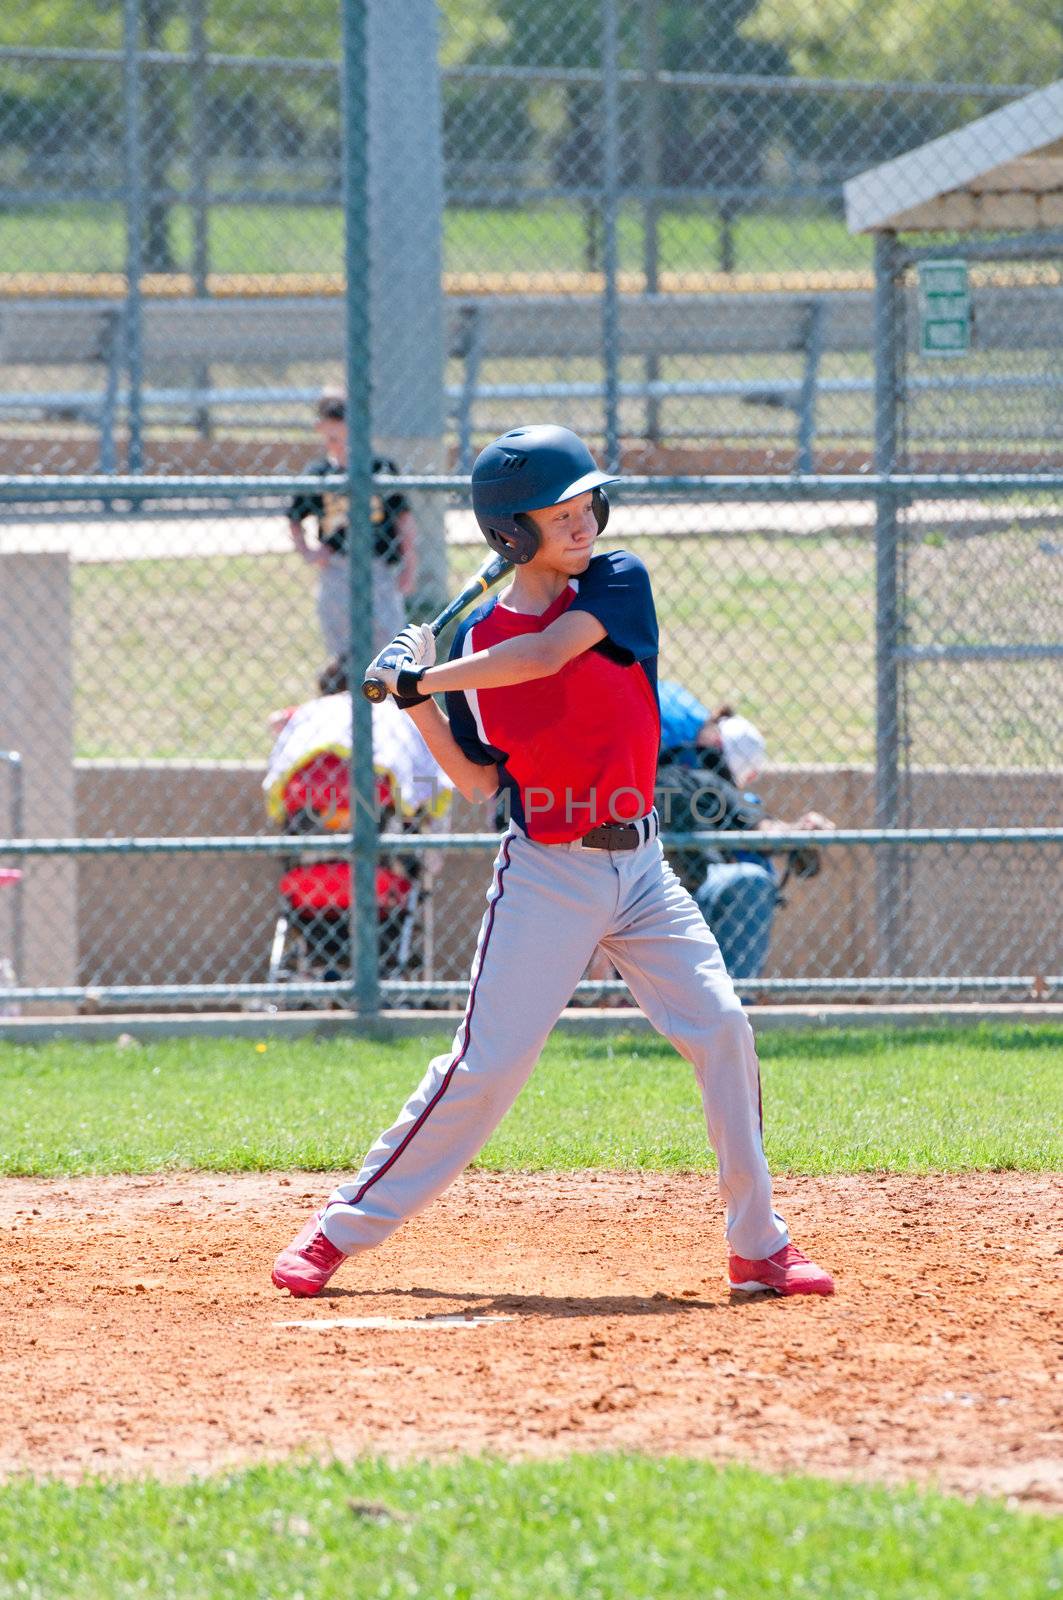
(308, 792)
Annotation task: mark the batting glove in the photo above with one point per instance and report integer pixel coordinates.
(419, 643)
(400, 673)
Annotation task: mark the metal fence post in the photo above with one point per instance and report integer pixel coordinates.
(610, 207)
(650, 146)
(806, 414)
(887, 329)
(198, 163)
(198, 145)
(134, 210)
(115, 350)
(364, 834)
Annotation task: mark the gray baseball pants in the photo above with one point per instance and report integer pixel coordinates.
(548, 908)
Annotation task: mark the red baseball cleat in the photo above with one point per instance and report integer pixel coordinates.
(786, 1272)
(309, 1261)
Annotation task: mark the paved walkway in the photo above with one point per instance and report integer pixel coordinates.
(179, 536)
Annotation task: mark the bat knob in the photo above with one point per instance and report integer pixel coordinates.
(374, 690)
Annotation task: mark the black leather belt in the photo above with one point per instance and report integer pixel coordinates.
(621, 835)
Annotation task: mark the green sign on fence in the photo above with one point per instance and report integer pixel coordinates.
(944, 308)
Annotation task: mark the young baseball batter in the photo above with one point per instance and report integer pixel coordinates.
(551, 698)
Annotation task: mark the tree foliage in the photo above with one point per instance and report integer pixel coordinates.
(61, 122)
(244, 27)
(938, 41)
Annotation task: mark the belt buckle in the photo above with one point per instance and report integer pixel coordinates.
(620, 835)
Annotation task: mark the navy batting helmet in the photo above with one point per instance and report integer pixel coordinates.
(528, 469)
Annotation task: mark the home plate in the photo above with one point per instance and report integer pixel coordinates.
(422, 1324)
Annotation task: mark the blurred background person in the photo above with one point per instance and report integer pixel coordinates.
(391, 528)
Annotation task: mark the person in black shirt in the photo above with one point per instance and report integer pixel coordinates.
(391, 525)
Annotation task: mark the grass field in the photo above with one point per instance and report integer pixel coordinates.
(600, 1527)
(588, 1528)
(834, 1102)
(309, 239)
(185, 658)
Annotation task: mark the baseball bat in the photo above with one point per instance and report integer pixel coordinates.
(492, 572)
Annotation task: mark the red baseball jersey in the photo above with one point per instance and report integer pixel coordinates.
(580, 747)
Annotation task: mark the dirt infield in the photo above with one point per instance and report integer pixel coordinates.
(141, 1332)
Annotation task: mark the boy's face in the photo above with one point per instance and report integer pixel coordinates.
(566, 533)
(333, 432)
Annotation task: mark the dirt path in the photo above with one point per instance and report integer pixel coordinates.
(141, 1332)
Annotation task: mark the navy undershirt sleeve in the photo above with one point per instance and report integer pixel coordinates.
(616, 589)
(459, 714)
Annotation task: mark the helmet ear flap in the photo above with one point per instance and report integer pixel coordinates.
(516, 537)
(600, 507)
(530, 537)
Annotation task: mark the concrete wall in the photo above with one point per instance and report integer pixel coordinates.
(36, 719)
(210, 918)
(167, 919)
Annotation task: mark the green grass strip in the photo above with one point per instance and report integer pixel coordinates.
(904, 1101)
(549, 237)
(593, 1527)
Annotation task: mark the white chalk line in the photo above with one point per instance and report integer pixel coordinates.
(417, 1324)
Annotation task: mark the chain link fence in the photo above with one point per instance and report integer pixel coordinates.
(841, 439)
